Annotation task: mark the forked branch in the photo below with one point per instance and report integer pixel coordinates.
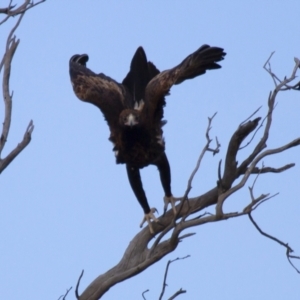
(289, 250)
(138, 256)
(12, 10)
(5, 66)
(63, 297)
(165, 278)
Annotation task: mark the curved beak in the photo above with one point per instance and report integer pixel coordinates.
(131, 120)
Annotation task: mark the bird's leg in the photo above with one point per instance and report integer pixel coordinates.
(148, 217)
(137, 187)
(172, 200)
(165, 177)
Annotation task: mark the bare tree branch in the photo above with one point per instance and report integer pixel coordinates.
(230, 172)
(189, 185)
(11, 46)
(63, 297)
(225, 195)
(143, 294)
(13, 154)
(181, 291)
(256, 201)
(271, 103)
(263, 170)
(249, 118)
(8, 8)
(5, 64)
(282, 85)
(255, 132)
(166, 274)
(288, 248)
(138, 256)
(77, 285)
(204, 150)
(9, 11)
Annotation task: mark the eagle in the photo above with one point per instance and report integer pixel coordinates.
(134, 112)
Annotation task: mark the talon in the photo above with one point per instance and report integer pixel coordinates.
(171, 200)
(148, 217)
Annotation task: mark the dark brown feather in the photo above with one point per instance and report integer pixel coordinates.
(100, 90)
(134, 109)
(205, 58)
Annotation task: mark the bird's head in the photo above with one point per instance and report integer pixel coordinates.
(129, 118)
(80, 59)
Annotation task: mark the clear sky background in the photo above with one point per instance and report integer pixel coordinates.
(65, 204)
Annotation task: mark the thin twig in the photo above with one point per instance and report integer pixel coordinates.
(264, 200)
(144, 294)
(206, 148)
(189, 187)
(8, 8)
(282, 83)
(257, 170)
(269, 68)
(63, 297)
(259, 127)
(271, 103)
(181, 291)
(255, 202)
(186, 236)
(253, 184)
(77, 285)
(254, 113)
(252, 137)
(166, 274)
(13, 154)
(225, 195)
(286, 245)
(11, 12)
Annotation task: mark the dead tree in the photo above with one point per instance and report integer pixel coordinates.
(5, 67)
(138, 256)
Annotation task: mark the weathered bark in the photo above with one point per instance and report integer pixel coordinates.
(138, 256)
(5, 64)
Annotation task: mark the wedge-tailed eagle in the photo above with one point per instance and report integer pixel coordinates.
(134, 111)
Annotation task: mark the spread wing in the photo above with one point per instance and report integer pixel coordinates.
(98, 89)
(205, 58)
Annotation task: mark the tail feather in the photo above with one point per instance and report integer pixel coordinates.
(137, 77)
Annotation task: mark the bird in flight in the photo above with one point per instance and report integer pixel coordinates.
(134, 111)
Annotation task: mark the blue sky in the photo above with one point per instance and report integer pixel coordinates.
(66, 205)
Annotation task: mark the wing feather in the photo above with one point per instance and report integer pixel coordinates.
(205, 58)
(98, 89)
